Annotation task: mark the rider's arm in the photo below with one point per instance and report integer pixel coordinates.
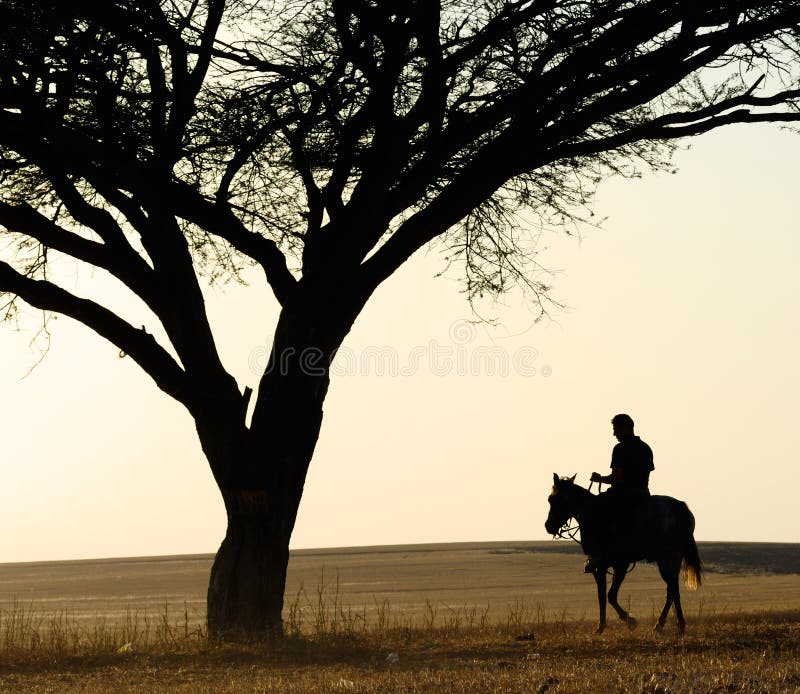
(614, 478)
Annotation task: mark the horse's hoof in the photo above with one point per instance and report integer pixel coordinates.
(632, 623)
(659, 627)
(600, 629)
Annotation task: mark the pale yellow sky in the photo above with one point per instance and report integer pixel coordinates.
(682, 312)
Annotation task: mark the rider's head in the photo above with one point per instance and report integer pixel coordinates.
(623, 426)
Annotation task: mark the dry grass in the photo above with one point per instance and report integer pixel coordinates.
(407, 642)
(338, 650)
(753, 653)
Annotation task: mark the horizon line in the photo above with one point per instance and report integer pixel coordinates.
(351, 549)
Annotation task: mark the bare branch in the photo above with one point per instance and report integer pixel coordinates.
(221, 221)
(125, 265)
(136, 343)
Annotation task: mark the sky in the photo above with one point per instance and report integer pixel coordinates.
(681, 310)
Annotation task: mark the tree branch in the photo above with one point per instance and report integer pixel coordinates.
(672, 127)
(122, 263)
(481, 178)
(218, 219)
(474, 184)
(136, 343)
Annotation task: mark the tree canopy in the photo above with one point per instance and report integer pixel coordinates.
(307, 135)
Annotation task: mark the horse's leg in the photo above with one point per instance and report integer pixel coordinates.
(662, 618)
(620, 571)
(676, 594)
(600, 580)
(670, 570)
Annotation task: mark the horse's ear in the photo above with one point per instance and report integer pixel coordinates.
(572, 479)
(555, 478)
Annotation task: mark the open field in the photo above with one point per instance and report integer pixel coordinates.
(453, 614)
(412, 579)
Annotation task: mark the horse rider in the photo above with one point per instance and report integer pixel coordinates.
(615, 530)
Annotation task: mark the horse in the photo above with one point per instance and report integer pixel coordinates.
(667, 538)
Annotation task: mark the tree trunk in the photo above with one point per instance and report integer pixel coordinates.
(263, 485)
(248, 577)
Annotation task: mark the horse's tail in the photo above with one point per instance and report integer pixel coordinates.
(693, 567)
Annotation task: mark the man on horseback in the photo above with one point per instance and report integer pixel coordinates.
(619, 508)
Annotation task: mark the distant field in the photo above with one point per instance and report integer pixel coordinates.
(469, 618)
(492, 579)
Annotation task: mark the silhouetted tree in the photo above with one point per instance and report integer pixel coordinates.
(169, 141)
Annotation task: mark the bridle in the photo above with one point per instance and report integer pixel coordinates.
(570, 529)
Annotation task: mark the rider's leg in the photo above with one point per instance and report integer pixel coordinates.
(600, 544)
(631, 526)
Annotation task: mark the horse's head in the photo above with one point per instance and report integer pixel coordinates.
(562, 503)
